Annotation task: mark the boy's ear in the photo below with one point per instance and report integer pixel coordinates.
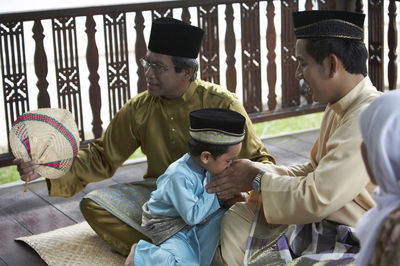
(205, 157)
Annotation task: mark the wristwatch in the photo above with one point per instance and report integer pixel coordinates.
(256, 183)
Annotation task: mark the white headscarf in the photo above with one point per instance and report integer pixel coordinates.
(380, 129)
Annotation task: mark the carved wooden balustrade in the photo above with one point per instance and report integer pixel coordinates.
(258, 22)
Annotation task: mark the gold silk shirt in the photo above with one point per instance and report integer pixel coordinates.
(160, 127)
(335, 184)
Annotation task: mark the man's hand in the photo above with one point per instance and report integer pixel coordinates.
(237, 178)
(26, 169)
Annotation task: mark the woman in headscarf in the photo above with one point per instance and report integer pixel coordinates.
(379, 229)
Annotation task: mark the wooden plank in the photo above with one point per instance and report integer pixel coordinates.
(284, 157)
(97, 185)
(130, 173)
(309, 136)
(23, 215)
(30, 211)
(68, 206)
(291, 145)
(293, 148)
(15, 252)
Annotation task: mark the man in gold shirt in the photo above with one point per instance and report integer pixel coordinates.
(303, 214)
(157, 121)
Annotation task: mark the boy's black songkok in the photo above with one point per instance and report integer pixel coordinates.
(217, 126)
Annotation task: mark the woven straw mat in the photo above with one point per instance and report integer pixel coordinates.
(49, 136)
(73, 245)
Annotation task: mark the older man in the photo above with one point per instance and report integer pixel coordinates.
(305, 212)
(157, 121)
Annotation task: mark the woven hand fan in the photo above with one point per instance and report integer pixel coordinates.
(48, 136)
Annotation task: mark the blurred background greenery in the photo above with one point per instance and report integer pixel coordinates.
(265, 129)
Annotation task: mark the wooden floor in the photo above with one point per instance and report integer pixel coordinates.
(36, 212)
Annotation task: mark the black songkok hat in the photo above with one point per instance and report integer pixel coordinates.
(217, 126)
(174, 37)
(328, 24)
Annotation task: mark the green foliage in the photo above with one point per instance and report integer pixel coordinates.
(287, 125)
(137, 154)
(263, 129)
(8, 174)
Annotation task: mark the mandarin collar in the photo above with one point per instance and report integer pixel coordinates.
(346, 101)
(193, 165)
(185, 97)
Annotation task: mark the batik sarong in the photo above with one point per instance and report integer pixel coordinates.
(320, 243)
(125, 201)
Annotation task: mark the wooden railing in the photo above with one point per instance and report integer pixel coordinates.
(269, 77)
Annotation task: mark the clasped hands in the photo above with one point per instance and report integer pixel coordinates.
(234, 180)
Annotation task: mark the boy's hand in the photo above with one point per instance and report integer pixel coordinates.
(241, 197)
(129, 259)
(237, 178)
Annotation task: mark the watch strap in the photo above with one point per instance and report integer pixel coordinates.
(256, 183)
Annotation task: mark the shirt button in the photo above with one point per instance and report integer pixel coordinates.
(172, 118)
(173, 130)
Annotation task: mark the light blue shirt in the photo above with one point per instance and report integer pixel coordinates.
(180, 192)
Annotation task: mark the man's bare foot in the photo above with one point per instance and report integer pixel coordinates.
(129, 259)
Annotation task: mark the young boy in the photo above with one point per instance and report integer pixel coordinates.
(182, 219)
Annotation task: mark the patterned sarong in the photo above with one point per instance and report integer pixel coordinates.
(125, 201)
(159, 227)
(320, 243)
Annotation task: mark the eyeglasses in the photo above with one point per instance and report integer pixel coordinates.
(158, 69)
